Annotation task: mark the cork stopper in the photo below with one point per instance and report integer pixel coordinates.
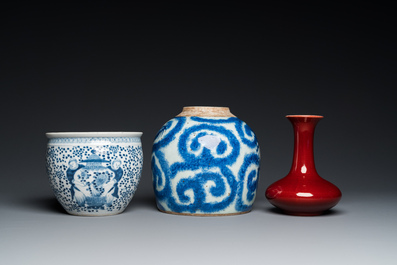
(199, 111)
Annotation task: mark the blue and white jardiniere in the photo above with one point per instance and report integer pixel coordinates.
(205, 162)
(94, 173)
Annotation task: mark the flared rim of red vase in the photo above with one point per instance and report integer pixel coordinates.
(304, 116)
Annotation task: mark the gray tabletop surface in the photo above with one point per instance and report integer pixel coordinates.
(359, 230)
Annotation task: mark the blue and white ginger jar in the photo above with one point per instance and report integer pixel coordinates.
(94, 174)
(205, 162)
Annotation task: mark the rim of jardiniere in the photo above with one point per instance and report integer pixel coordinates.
(92, 134)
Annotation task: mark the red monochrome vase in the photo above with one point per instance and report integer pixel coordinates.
(303, 192)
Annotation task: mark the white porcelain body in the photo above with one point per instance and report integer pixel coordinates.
(205, 165)
(94, 173)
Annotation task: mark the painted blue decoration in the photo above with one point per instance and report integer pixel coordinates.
(94, 176)
(94, 140)
(205, 166)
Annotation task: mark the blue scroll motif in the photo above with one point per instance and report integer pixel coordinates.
(160, 170)
(201, 178)
(206, 156)
(249, 176)
(197, 184)
(170, 132)
(247, 135)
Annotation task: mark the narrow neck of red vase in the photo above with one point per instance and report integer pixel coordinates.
(303, 161)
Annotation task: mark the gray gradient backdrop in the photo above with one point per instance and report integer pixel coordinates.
(104, 66)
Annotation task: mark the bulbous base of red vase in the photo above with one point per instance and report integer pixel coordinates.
(303, 196)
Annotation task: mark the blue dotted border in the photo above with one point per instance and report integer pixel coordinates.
(94, 140)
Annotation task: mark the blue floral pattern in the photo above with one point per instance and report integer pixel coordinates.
(94, 179)
(205, 166)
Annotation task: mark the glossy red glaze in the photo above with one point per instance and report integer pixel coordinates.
(303, 191)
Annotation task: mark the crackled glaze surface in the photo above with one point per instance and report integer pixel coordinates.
(94, 176)
(207, 165)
